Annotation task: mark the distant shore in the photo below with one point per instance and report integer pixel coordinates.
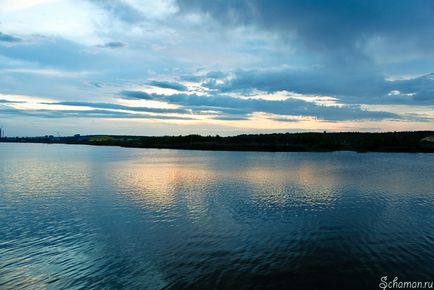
(416, 141)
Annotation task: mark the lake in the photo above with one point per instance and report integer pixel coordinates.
(76, 216)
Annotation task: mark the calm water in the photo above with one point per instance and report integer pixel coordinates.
(108, 217)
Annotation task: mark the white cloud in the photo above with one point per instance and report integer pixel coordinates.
(73, 20)
(394, 93)
(13, 5)
(47, 72)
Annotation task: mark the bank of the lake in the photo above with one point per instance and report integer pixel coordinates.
(417, 141)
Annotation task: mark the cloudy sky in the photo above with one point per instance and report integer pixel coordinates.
(156, 67)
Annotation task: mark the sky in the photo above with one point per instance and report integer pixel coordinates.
(171, 67)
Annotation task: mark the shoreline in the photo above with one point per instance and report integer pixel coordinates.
(390, 142)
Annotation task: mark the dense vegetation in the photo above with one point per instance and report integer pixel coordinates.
(420, 141)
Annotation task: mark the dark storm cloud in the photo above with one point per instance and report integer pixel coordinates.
(346, 33)
(414, 91)
(301, 81)
(421, 89)
(8, 38)
(118, 107)
(329, 25)
(351, 89)
(85, 114)
(349, 36)
(169, 85)
(242, 107)
(136, 95)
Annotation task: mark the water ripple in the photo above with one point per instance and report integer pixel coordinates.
(86, 217)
